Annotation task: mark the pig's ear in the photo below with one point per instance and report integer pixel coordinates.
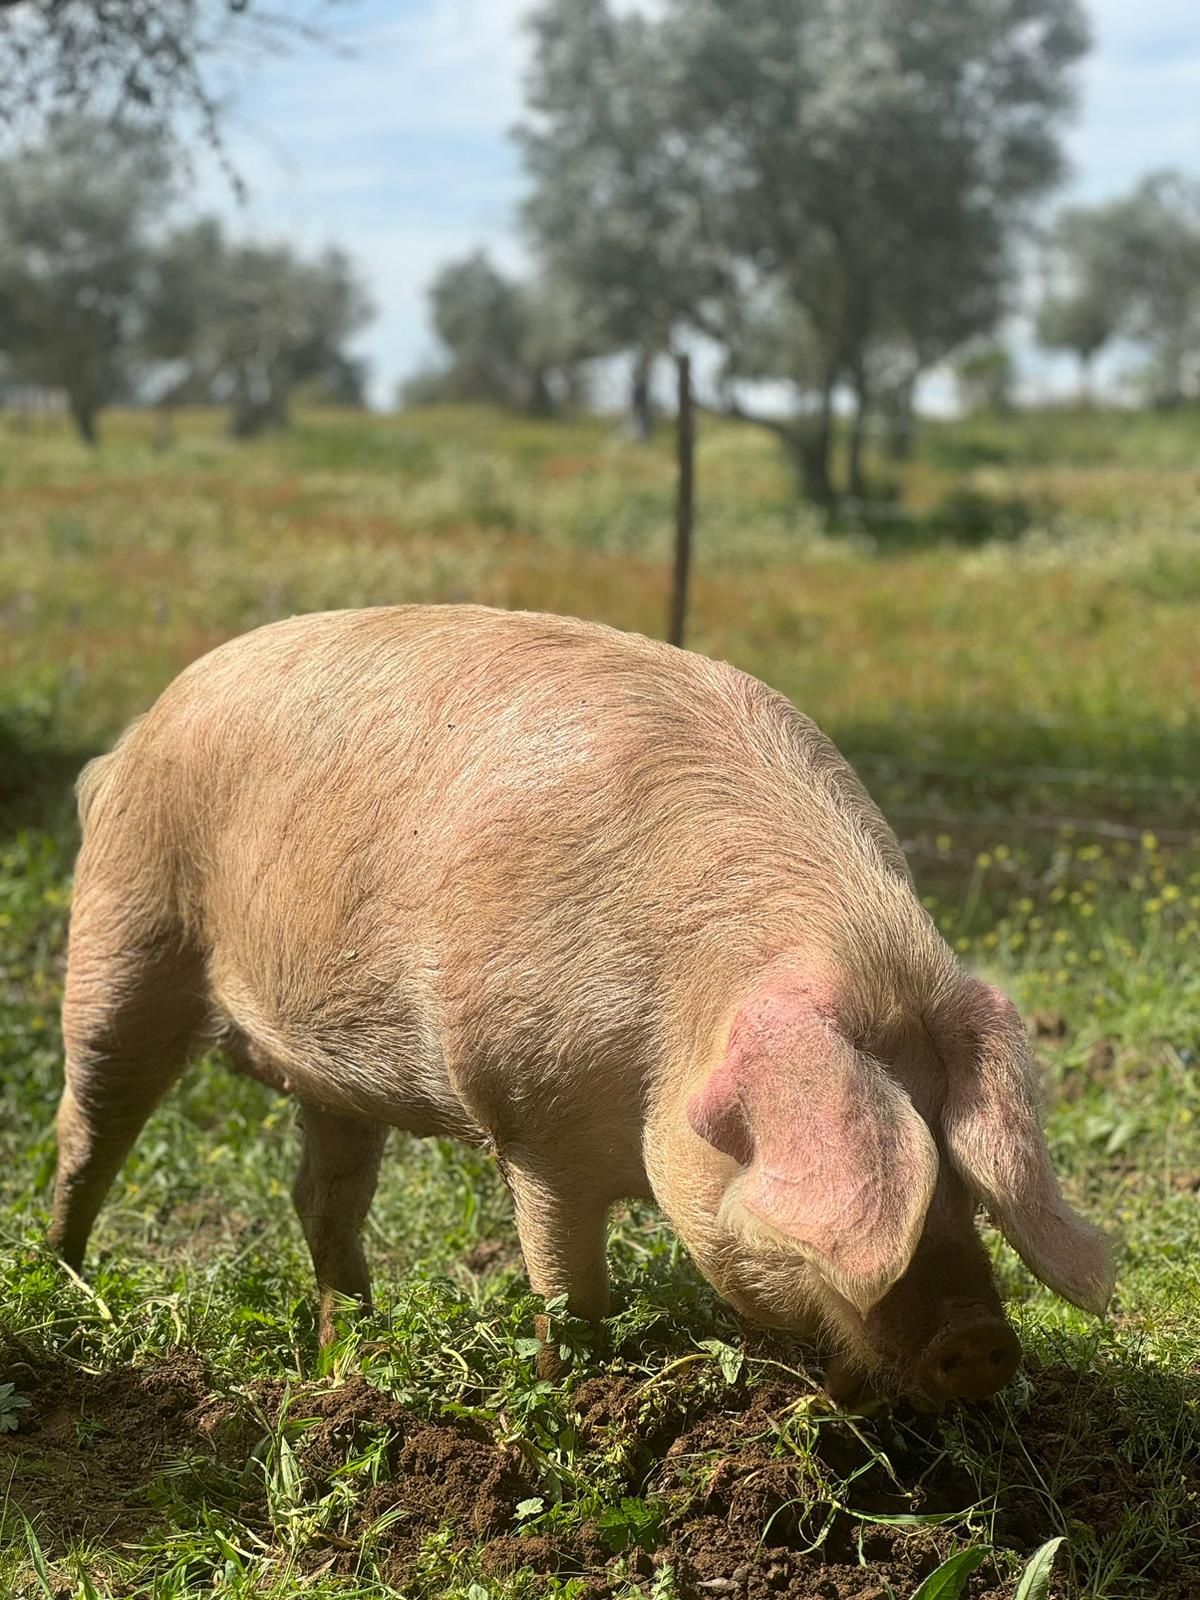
(994, 1139)
(838, 1163)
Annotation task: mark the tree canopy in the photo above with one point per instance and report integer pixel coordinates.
(77, 213)
(246, 324)
(506, 342)
(143, 62)
(1130, 270)
(99, 298)
(829, 190)
(613, 210)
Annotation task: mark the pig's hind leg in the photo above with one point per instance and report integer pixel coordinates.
(133, 1007)
(334, 1187)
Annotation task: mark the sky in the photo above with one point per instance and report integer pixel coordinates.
(395, 143)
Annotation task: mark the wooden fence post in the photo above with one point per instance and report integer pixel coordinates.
(685, 455)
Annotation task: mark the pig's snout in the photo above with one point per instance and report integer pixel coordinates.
(971, 1359)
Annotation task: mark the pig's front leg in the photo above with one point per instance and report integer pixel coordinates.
(563, 1229)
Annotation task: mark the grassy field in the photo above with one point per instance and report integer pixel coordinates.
(1008, 648)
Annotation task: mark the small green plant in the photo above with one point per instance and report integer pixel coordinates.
(1035, 1580)
(11, 1406)
(631, 1524)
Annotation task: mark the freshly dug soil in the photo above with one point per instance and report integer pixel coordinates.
(744, 1517)
(89, 1442)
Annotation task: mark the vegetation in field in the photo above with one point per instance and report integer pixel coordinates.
(1010, 660)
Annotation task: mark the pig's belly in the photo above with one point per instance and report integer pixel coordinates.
(381, 1061)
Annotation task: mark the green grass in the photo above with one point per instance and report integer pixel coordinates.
(1020, 694)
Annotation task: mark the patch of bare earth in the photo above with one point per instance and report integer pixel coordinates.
(90, 1444)
(746, 1513)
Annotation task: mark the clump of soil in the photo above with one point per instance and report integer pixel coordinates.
(491, 1255)
(751, 1521)
(347, 1414)
(449, 1475)
(444, 1473)
(90, 1442)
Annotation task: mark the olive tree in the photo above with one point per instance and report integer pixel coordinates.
(612, 211)
(246, 324)
(78, 211)
(144, 62)
(871, 164)
(830, 189)
(504, 341)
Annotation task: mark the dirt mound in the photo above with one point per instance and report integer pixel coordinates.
(746, 1490)
(90, 1442)
(448, 1473)
(751, 1518)
(347, 1415)
(446, 1476)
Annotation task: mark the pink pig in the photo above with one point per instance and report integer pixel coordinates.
(615, 911)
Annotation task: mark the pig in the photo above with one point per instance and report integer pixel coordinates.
(612, 910)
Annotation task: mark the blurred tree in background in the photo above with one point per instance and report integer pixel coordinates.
(1084, 304)
(506, 343)
(247, 324)
(832, 193)
(985, 378)
(615, 210)
(1159, 231)
(97, 301)
(76, 256)
(829, 198)
(1130, 269)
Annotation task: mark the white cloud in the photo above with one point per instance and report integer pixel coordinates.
(452, 68)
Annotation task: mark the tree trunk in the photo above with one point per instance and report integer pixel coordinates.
(811, 447)
(252, 415)
(1085, 377)
(1170, 392)
(902, 421)
(540, 401)
(84, 412)
(640, 405)
(245, 418)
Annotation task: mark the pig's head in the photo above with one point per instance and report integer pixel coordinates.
(853, 1209)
